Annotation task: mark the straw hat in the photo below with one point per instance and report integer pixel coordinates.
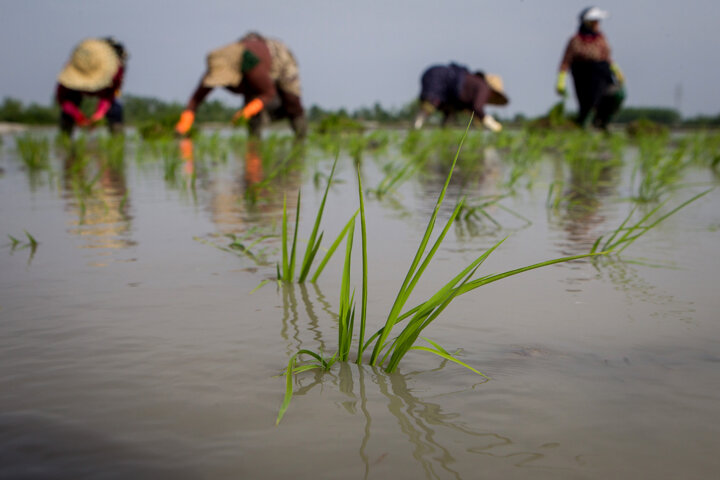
(224, 66)
(91, 67)
(498, 96)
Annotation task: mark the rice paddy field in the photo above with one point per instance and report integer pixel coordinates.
(226, 308)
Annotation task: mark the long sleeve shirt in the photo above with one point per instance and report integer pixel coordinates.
(474, 94)
(256, 80)
(592, 48)
(68, 99)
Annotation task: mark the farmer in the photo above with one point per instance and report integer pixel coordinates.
(453, 88)
(261, 69)
(598, 80)
(96, 68)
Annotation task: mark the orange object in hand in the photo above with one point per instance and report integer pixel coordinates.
(251, 109)
(187, 118)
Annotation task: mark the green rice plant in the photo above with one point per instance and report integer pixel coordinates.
(112, 151)
(279, 159)
(622, 237)
(213, 148)
(659, 170)
(286, 268)
(480, 209)
(34, 152)
(387, 352)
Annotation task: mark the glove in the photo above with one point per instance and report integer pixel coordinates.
(561, 82)
(491, 124)
(187, 118)
(250, 110)
(420, 120)
(618, 73)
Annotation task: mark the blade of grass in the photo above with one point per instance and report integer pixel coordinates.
(363, 306)
(332, 248)
(438, 350)
(403, 293)
(313, 246)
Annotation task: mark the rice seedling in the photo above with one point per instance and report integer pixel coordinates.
(622, 237)
(659, 169)
(387, 351)
(112, 151)
(34, 152)
(479, 211)
(212, 148)
(243, 245)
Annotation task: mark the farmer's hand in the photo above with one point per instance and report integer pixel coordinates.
(491, 124)
(187, 118)
(93, 121)
(254, 107)
(238, 119)
(560, 86)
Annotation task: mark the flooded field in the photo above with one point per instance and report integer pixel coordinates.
(144, 334)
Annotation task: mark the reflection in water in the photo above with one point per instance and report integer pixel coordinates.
(290, 331)
(249, 196)
(591, 181)
(431, 431)
(96, 193)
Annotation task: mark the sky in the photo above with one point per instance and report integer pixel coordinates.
(356, 53)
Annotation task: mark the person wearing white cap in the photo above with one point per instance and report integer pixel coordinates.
(450, 88)
(96, 68)
(598, 81)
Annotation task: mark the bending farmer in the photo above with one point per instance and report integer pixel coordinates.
(96, 68)
(598, 81)
(454, 88)
(261, 69)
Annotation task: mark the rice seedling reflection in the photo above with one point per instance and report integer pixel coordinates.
(17, 244)
(437, 438)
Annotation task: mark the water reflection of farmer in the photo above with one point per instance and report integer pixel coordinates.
(598, 80)
(96, 68)
(264, 71)
(101, 208)
(452, 88)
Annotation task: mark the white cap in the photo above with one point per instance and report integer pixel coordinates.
(593, 14)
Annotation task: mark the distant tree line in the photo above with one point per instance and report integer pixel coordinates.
(140, 110)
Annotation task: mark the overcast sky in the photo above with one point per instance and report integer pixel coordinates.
(354, 53)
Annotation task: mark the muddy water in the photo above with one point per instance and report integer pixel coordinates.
(130, 347)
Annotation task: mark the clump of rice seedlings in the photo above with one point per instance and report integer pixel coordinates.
(34, 152)
(704, 150)
(388, 350)
(659, 169)
(278, 160)
(212, 147)
(396, 175)
(112, 151)
(478, 211)
(622, 237)
(171, 161)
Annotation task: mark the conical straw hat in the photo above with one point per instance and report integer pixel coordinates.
(498, 96)
(91, 67)
(224, 66)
